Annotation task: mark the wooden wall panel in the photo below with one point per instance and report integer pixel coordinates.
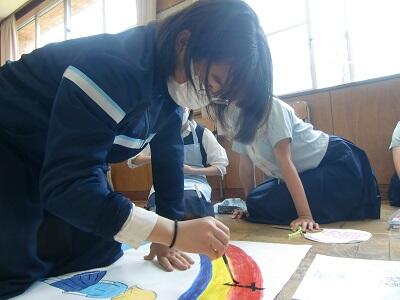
(165, 4)
(259, 176)
(126, 179)
(231, 179)
(367, 114)
(319, 105)
(206, 122)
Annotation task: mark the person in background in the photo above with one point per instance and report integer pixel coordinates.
(316, 178)
(394, 187)
(69, 109)
(203, 156)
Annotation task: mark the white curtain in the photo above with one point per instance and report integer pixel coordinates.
(8, 40)
(146, 11)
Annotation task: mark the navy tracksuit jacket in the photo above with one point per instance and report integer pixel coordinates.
(67, 110)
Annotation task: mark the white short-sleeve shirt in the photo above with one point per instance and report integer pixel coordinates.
(216, 154)
(395, 137)
(308, 146)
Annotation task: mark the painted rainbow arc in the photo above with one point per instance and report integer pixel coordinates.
(210, 282)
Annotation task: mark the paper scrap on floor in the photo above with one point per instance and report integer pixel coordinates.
(336, 278)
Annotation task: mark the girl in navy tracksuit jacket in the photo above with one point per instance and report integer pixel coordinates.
(69, 109)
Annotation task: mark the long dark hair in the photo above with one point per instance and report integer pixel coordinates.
(223, 31)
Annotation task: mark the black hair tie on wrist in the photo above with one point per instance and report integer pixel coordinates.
(175, 234)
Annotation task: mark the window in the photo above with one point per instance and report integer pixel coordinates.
(285, 23)
(317, 44)
(118, 19)
(373, 34)
(290, 58)
(26, 38)
(51, 25)
(328, 35)
(84, 18)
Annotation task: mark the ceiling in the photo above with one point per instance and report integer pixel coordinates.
(7, 7)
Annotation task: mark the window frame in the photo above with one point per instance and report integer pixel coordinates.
(35, 14)
(349, 57)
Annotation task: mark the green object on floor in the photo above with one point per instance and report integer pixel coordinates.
(296, 234)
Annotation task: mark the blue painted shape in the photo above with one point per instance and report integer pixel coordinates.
(201, 281)
(125, 247)
(80, 281)
(105, 289)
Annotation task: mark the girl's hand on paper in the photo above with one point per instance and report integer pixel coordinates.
(169, 258)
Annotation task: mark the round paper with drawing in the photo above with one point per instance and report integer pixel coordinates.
(338, 236)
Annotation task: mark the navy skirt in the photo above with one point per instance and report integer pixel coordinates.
(33, 243)
(342, 187)
(194, 206)
(394, 190)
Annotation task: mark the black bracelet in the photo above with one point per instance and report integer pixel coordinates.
(175, 234)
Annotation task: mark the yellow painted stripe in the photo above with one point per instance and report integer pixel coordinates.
(216, 288)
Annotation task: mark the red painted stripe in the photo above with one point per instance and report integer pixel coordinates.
(246, 271)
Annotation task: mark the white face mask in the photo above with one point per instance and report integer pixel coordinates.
(185, 95)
